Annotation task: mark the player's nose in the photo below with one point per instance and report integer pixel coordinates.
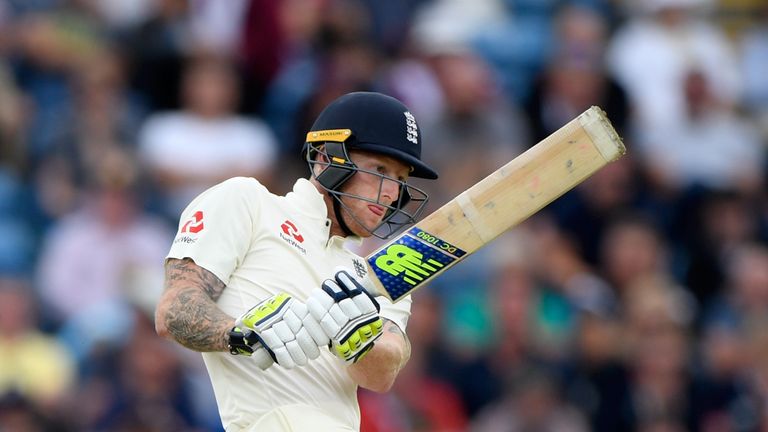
(390, 191)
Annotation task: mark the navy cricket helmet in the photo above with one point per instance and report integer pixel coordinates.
(373, 122)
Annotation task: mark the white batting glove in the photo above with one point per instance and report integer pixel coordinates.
(279, 330)
(348, 315)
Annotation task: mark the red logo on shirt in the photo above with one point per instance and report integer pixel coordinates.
(194, 224)
(290, 229)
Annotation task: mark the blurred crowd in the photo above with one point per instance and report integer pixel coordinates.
(637, 302)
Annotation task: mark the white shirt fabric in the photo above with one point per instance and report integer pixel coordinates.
(243, 236)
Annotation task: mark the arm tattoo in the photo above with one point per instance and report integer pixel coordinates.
(391, 327)
(192, 316)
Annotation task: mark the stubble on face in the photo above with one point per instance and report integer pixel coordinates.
(367, 214)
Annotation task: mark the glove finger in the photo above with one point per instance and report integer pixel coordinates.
(348, 283)
(364, 303)
(262, 358)
(343, 351)
(334, 291)
(283, 332)
(300, 309)
(284, 358)
(293, 322)
(318, 304)
(354, 341)
(297, 354)
(307, 344)
(350, 309)
(338, 315)
(316, 331)
(330, 326)
(271, 339)
(371, 331)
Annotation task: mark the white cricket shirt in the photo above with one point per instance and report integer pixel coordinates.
(260, 244)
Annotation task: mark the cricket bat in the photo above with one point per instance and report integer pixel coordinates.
(497, 203)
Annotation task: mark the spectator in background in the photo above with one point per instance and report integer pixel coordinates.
(18, 414)
(48, 47)
(532, 402)
(595, 375)
(715, 227)
(754, 68)
(103, 256)
(190, 150)
(17, 248)
(709, 146)
(574, 77)
(146, 386)
(744, 298)
(658, 346)
(725, 378)
(156, 49)
(632, 249)
(651, 54)
(477, 126)
(105, 119)
(122, 15)
(34, 366)
(425, 397)
(585, 213)
(300, 24)
(12, 119)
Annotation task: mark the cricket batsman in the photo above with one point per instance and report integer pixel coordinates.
(265, 288)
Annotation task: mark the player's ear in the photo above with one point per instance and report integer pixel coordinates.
(320, 154)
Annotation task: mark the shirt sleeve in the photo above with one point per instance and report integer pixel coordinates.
(216, 228)
(398, 312)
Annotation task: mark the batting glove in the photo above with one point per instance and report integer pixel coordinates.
(348, 315)
(279, 330)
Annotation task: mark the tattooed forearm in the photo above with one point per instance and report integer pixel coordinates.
(391, 327)
(188, 311)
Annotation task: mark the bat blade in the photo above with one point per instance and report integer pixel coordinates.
(497, 203)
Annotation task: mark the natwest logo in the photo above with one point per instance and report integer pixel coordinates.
(291, 236)
(290, 229)
(194, 224)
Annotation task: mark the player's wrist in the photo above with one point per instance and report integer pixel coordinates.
(240, 341)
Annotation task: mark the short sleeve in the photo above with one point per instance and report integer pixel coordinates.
(216, 228)
(398, 312)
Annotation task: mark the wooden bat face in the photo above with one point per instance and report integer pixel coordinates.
(505, 198)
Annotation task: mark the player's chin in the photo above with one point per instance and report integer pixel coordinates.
(366, 230)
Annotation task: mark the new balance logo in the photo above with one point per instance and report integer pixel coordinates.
(400, 260)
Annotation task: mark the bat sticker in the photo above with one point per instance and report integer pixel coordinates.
(411, 260)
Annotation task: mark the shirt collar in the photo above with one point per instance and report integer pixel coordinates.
(309, 201)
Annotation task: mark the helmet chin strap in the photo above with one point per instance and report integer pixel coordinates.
(337, 211)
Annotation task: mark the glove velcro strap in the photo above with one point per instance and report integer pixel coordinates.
(266, 347)
(238, 343)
